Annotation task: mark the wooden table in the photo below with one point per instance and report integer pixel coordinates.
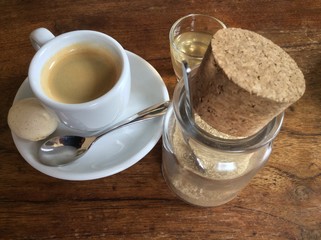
(283, 201)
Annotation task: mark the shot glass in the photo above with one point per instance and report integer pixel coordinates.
(189, 38)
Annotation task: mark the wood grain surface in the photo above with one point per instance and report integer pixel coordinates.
(283, 201)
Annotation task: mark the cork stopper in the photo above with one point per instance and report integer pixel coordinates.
(243, 82)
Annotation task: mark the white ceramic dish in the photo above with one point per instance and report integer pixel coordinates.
(119, 149)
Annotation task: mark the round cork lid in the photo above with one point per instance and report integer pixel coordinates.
(258, 65)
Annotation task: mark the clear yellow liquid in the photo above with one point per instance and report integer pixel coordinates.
(191, 47)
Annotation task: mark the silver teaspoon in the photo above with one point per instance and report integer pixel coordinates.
(62, 150)
(186, 70)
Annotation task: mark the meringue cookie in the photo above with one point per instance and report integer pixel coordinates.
(30, 120)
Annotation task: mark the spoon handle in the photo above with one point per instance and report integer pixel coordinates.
(150, 112)
(186, 77)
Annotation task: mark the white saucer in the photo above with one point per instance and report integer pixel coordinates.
(119, 149)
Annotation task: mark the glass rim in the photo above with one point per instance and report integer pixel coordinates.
(193, 15)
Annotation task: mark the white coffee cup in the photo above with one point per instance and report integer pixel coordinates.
(94, 114)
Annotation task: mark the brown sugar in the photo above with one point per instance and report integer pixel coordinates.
(243, 82)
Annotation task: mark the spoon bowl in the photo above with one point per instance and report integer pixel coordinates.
(63, 150)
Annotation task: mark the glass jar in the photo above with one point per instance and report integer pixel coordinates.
(204, 169)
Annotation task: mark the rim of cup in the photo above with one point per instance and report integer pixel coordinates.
(65, 40)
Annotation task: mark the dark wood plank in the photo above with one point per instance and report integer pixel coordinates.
(283, 201)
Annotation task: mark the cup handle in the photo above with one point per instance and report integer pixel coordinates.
(39, 37)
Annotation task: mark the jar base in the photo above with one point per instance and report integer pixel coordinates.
(192, 194)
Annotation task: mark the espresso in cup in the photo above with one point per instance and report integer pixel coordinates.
(82, 76)
(79, 73)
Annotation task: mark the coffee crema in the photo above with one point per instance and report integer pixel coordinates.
(79, 73)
